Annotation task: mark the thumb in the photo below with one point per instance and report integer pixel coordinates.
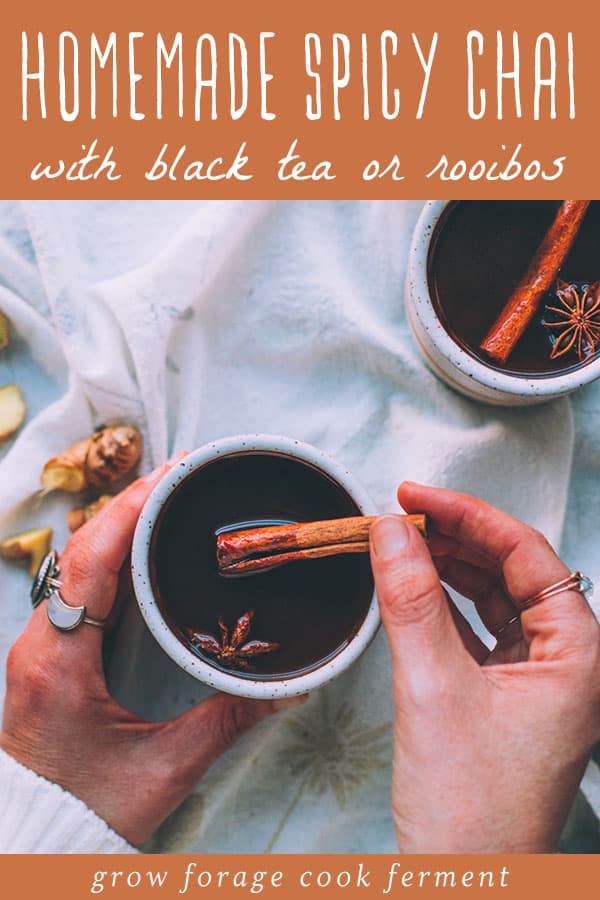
(426, 649)
(199, 736)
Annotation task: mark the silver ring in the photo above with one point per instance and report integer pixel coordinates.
(46, 579)
(46, 586)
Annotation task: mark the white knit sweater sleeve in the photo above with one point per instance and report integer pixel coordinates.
(37, 816)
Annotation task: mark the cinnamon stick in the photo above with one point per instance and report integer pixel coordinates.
(525, 299)
(257, 549)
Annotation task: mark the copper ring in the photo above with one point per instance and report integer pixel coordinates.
(498, 632)
(575, 581)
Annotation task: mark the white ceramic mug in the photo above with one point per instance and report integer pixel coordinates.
(451, 362)
(231, 682)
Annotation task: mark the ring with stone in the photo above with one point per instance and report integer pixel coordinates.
(46, 586)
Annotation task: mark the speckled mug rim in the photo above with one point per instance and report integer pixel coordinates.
(547, 386)
(186, 659)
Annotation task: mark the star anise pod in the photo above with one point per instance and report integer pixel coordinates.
(232, 651)
(575, 320)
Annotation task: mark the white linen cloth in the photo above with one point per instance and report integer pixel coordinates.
(198, 320)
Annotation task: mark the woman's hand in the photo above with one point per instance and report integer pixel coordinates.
(489, 748)
(60, 720)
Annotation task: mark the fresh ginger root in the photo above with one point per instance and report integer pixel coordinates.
(4, 331)
(96, 462)
(32, 545)
(78, 517)
(12, 410)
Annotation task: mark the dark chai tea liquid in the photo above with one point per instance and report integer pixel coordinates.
(480, 251)
(311, 608)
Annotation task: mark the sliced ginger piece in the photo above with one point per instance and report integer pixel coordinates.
(67, 471)
(32, 545)
(78, 517)
(12, 410)
(4, 331)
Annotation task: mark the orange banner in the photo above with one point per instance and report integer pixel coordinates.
(388, 100)
(289, 876)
